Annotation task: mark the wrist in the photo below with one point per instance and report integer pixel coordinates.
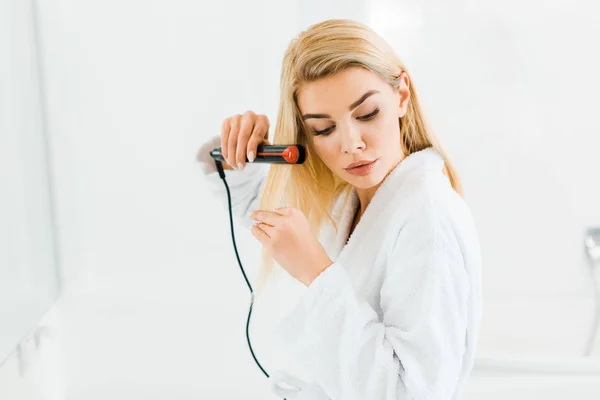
(318, 270)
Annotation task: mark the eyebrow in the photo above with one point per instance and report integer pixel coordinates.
(350, 108)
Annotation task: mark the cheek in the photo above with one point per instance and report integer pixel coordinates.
(328, 150)
(382, 132)
(389, 130)
(323, 148)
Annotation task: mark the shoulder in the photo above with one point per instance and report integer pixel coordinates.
(426, 196)
(427, 206)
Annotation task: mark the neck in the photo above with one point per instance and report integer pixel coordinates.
(365, 195)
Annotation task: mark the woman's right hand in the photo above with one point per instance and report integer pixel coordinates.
(240, 137)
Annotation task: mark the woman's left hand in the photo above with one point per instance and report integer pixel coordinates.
(286, 234)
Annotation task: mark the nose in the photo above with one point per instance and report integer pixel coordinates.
(352, 140)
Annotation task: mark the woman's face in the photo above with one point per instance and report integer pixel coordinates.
(353, 116)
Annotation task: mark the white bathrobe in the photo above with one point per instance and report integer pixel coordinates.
(396, 316)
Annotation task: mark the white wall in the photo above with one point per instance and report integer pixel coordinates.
(135, 87)
(28, 267)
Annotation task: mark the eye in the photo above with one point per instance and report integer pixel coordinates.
(369, 116)
(324, 131)
(362, 118)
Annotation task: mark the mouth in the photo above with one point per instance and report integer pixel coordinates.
(364, 169)
(359, 164)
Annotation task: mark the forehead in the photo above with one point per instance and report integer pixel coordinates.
(338, 91)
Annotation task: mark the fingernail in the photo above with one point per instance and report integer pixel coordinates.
(240, 166)
(251, 156)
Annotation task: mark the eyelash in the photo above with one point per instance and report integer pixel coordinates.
(363, 118)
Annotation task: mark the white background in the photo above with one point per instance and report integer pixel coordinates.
(29, 281)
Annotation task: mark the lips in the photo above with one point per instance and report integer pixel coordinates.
(359, 163)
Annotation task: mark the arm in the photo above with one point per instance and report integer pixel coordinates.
(416, 351)
(245, 186)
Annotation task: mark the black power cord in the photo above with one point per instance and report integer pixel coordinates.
(222, 176)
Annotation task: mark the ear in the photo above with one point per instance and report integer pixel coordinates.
(403, 94)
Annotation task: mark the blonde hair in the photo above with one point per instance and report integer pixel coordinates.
(322, 50)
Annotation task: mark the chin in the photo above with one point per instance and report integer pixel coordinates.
(365, 181)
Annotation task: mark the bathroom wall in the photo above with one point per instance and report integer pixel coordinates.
(29, 280)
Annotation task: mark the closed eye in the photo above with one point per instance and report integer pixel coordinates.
(369, 116)
(362, 118)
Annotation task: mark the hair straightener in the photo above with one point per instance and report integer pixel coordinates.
(272, 154)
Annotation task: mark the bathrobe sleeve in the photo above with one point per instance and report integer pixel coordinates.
(416, 350)
(245, 186)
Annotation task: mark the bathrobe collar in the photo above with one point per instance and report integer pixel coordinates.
(419, 162)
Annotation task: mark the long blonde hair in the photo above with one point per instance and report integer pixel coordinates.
(323, 50)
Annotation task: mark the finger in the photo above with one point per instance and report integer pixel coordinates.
(284, 210)
(264, 121)
(225, 137)
(259, 234)
(268, 229)
(233, 138)
(259, 136)
(246, 126)
(268, 217)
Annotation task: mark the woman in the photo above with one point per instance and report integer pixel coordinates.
(392, 305)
